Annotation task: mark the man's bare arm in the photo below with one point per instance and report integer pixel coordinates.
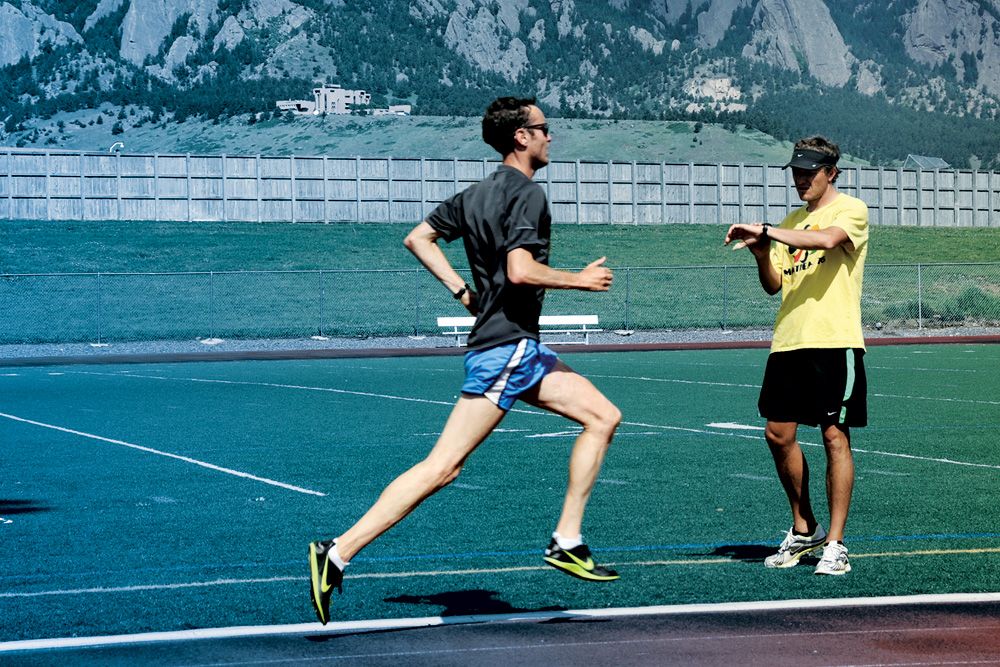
(422, 242)
(523, 269)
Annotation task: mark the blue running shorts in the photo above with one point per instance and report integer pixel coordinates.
(504, 372)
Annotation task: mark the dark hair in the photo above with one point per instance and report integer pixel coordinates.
(502, 118)
(822, 145)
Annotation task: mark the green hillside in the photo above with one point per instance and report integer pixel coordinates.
(421, 136)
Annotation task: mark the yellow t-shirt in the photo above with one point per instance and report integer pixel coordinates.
(821, 289)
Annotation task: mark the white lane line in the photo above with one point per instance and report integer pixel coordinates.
(372, 625)
(677, 562)
(521, 411)
(676, 381)
(149, 450)
(876, 452)
(935, 398)
(276, 385)
(735, 427)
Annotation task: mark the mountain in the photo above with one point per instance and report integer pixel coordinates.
(884, 78)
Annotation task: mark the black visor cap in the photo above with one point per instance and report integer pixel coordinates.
(810, 160)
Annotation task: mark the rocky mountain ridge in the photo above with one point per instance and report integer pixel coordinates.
(602, 58)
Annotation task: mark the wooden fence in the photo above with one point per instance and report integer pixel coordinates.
(67, 185)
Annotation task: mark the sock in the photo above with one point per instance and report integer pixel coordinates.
(805, 534)
(335, 558)
(566, 543)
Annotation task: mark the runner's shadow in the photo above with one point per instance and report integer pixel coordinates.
(467, 603)
(9, 507)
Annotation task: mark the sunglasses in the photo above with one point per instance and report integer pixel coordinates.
(544, 127)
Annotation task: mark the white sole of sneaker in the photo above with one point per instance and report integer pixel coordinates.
(795, 559)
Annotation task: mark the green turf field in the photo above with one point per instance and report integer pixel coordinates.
(247, 280)
(83, 247)
(183, 495)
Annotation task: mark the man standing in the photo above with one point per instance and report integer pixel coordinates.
(504, 223)
(815, 373)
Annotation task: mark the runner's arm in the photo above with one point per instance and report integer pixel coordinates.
(523, 269)
(422, 241)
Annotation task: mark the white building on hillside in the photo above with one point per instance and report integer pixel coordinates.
(394, 110)
(331, 99)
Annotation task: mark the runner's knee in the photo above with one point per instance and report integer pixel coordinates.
(440, 473)
(605, 421)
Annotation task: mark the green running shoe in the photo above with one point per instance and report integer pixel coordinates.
(577, 562)
(325, 577)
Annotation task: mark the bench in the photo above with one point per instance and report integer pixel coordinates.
(580, 325)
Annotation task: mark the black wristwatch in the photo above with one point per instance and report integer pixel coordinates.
(459, 293)
(764, 233)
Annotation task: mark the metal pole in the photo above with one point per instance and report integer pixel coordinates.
(322, 302)
(98, 308)
(920, 297)
(725, 297)
(211, 304)
(416, 301)
(628, 292)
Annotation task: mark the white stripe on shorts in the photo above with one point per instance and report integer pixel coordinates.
(496, 389)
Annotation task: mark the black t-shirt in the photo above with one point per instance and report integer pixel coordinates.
(504, 211)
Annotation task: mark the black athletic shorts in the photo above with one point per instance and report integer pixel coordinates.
(817, 387)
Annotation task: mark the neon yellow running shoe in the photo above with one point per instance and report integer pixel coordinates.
(325, 576)
(577, 562)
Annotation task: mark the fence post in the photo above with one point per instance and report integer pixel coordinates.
(635, 197)
(663, 193)
(881, 196)
(83, 180)
(118, 182)
(211, 304)
(388, 186)
(260, 194)
(920, 297)
(764, 193)
(291, 174)
(740, 186)
(416, 301)
(423, 188)
(628, 293)
(578, 196)
(611, 196)
(326, 198)
(322, 303)
(900, 201)
(156, 186)
(357, 188)
(719, 189)
(691, 193)
(48, 185)
(99, 308)
(187, 174)
(725, 296)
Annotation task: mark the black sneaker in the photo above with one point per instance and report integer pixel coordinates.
(325, 577)
(577, 562)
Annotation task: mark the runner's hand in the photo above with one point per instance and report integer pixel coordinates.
(595, 277)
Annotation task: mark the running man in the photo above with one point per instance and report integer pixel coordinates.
(815, 374)
(504, 223)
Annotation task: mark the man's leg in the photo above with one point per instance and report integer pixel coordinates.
(793, 471)
(839, 477)
(470, 422)
(571, 395)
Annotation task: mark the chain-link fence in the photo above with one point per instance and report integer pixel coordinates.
(104, 307)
